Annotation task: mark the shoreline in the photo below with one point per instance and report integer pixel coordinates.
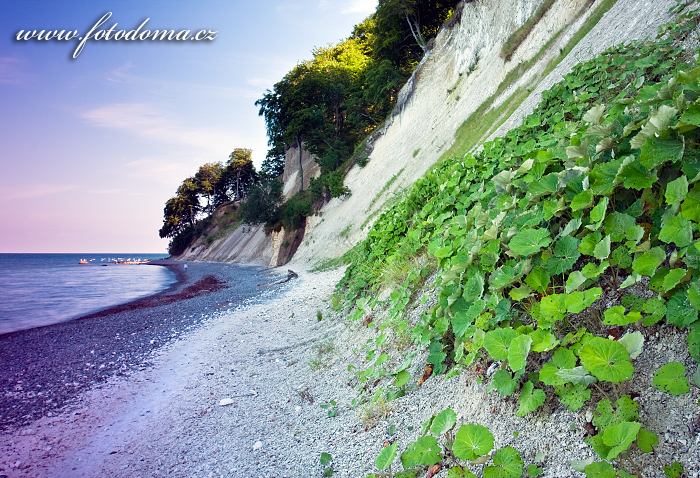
(46, 368)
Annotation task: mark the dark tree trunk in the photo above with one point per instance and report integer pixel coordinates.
(301, 168)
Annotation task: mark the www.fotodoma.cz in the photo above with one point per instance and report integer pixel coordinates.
(99, 32)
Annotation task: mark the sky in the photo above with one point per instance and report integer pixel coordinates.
(91, 148)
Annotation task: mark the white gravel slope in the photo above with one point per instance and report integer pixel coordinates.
(278, 364)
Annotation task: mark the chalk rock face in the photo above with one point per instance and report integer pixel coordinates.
(462, 73)
(298, 165)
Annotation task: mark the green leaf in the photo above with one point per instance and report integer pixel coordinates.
(647, 262)
(575, 375)
(674, 470)
(597, 214)
(538, 279)
(671, 378)
(443, 422)
(497, 341)
(401, 378)
(459, 472)
(657, 308)
(574, 281)
(386, 457)
(606, 359)
(690, 208)
(561, 359)
(573, 396)
(507, 463)
(676, 190)
(602, 249)
(677, 230)
(520, 293)
(591, 270)
(634, 343)
(647, 440)
(531, 399)
(626, 410)
(441, 252)
(504, 382)
(673, 278)
(325, 459)
(533, 471)
(474, 288)
(679, 312)
(655, 151)
(635, 175)
(582, 200)
(472, 441)
(694, 294)
(619, 437)
(617, 225)
(578, 301)
(529, 241)
(600, 469)
(589, 242)
(425, 451)
(543, 340)
(691, 115)
(616, 316)
(694, 341)
(564, 255)
(518, 351)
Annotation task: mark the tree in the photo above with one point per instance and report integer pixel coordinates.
(263, 201)
(207, 178)
(237, 177)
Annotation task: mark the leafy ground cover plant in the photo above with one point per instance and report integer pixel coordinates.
(582, 221)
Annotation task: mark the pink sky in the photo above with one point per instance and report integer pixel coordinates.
(91, 149)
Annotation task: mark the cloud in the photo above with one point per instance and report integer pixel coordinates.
(34, 191)
(349, 7)
(11, 72)
(359, 6)
(145, 121)
(121, 74)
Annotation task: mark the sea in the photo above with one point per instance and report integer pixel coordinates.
(43, 289)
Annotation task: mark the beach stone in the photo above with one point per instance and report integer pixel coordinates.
(257, 445)
(225, 402)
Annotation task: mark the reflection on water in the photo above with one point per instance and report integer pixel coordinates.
(42, 289)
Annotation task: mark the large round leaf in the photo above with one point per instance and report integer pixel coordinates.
(472, 441)
(443, 422)
(386, 457)
(671, 378)
(607, 360)
(425, 451)
(529, 241)
(497, 341)
(507, 463)
(518, 351)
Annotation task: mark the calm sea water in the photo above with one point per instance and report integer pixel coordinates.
(42, 289)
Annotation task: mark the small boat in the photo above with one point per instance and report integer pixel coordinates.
(83, 261)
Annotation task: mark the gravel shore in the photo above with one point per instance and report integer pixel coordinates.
(248, 394)
(45, 368)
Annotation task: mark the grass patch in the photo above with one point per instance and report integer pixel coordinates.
(324, 351)
(387, 185)
(587, 26)
(345, 232)
(335, 262)
(480, 124)
(518, 36)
